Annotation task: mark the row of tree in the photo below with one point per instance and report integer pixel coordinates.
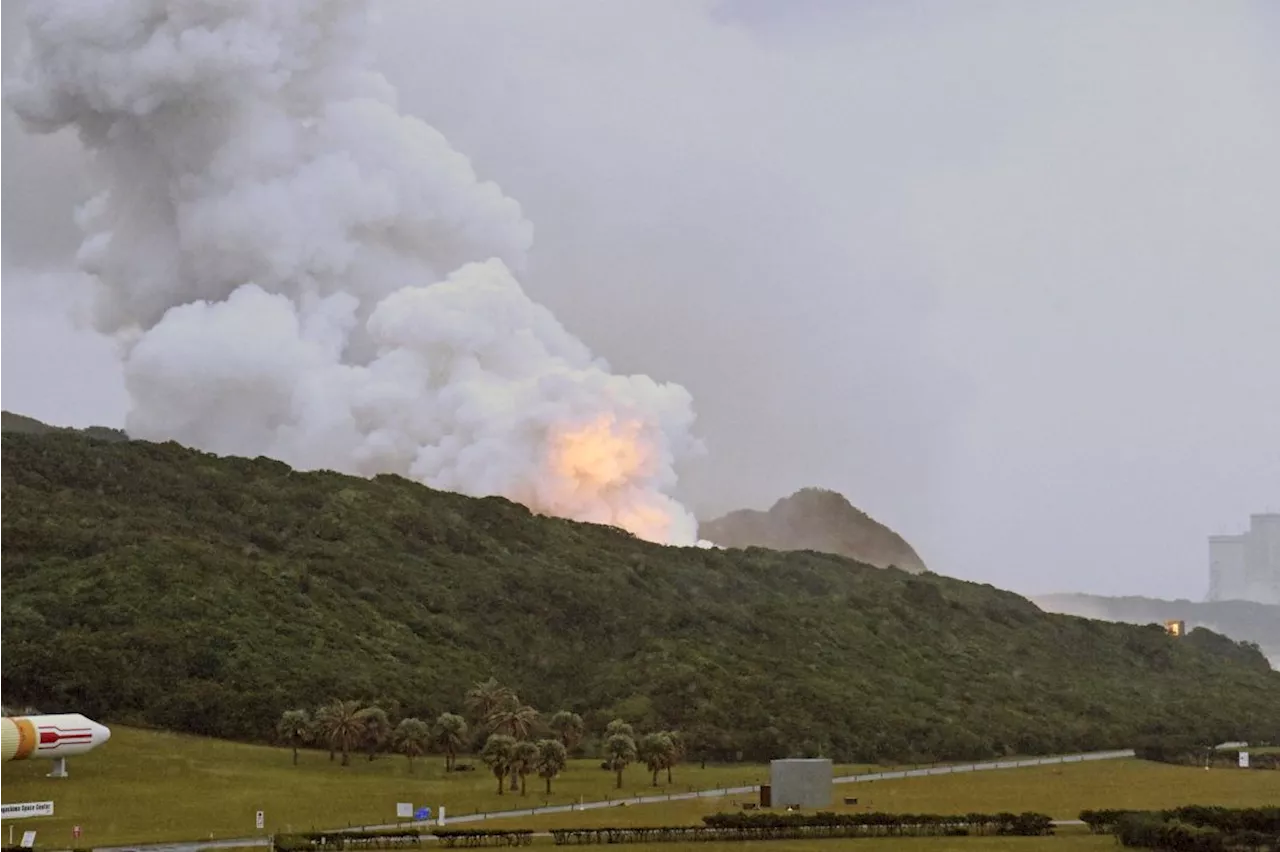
(517, 742)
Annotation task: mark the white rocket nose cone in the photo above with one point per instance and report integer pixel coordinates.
(101, 733)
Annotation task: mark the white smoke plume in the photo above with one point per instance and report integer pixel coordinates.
(297, 270)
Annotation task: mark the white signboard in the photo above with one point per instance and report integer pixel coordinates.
(21, 810)
(28, 839)
(261, 820)
(404, 809)
(1244, 760)
(440, 818)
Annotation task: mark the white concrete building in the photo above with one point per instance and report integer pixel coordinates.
(1247, 566)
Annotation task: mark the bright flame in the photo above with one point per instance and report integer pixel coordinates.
(599, 455)
(603, 465)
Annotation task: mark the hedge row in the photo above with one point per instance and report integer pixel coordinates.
(393, 838)
(882, 824)
(745, 827)
(481, 837)
(1194, 828)
(390, 838)
(1228, 820)
(706, 834)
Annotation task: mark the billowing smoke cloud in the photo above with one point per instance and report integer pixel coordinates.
(298, 270)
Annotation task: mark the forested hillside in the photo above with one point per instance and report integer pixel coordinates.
(11, 422)
(1246, 621)
(149, 583)
(816, 519)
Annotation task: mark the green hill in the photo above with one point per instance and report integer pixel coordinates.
(1246, 621)
(156, 585)
(816, 519)
(10, 422)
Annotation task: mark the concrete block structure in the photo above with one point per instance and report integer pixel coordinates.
(804, 782)
(1247, 566)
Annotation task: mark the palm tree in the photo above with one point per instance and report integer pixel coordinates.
(411, 739)
(617, 726)
(654, 749)
(619, 750)
(341, 726)
(524, 758)
(377, 729)
(497, 755)
(568, 727)
(514, 720)
(485, 699)
(294, 729)
(450, 735)
(552, 757)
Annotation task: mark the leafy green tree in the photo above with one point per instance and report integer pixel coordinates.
(654, 750)
(294, 729)
(568, 726)
(341, 726)
(524, 759)
(376, 729)
(498, 754)
(620, 751)
(486, 698)
(618, 726)
(411, 738)
(450, 736)
(675, 753)
(552, 759)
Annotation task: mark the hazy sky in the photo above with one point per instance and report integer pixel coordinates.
(1006, 274)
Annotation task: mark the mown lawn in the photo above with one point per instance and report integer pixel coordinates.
(147, 786)
(1061, 791)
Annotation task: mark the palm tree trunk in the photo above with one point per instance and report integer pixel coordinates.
(523, 783)
(668, 774)
(295, 755)
(346, 758)
(619, 777)
(548, 785)
(502, 782)
(655, 778)
(410, 764)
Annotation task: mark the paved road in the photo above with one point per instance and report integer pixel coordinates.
(195, 845)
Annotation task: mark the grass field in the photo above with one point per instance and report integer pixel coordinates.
(146, 786)
(1060, 791)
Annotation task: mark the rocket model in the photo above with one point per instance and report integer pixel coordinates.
(50, 737)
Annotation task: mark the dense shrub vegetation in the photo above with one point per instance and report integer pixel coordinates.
(151, 584)
(1191, 829)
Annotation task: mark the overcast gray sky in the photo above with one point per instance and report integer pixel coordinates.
(1006, 274)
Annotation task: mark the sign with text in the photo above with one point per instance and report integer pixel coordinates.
(22, 810)
(28, 840)
(422, 813)
(261, 820)
(1244, 760)
(404, 810)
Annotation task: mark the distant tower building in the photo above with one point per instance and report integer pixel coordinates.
(1247, 566)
